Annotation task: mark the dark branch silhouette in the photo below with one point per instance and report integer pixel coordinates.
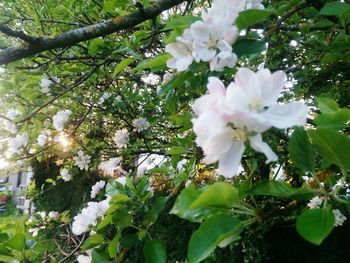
(75, 36)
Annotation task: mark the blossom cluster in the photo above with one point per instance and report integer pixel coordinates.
(16, 144)
(66, 176)
(45, 84)
(227, 118)
(43, 137)
(140, 124)
(211, 38)
(121, 138)
(60, 119)
(41, 220)
(82, 160)
(96, 188)
(89, 216)
(110, 166)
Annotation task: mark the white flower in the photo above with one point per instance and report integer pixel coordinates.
(227, 118)
(339, 217)
(53, 215)
(108, 167)
(181, 52)
(60, 119)
(16, 144)
(104, 97)
(84, 259)
(82, 160)
(2, 70)
(89, 216)
(34, 231)
(12, 114)
(255, 4)
(42, 138)
(121, 138)
(66, 176)
(205, 39)
(96, 188)
(225, 58)
(140, 124)
(42, 214)
(9, 126)
(167, 77)
(45, 84)
(117, 99)
(315, 202)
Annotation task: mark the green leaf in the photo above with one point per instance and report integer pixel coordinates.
(176, 81)
(93, 241)
(301, 151)
(110, 5)
(335, 8)
(3, 237)
(220, 194)
(180, 22)
(248, 46)
(327, 105)
(95, 45)
(155, 64)
(176, 150)
(113, 246)
(316, 224)
(282, 190)
(250, 17)
(122, 218)
(155, 251)
(122, 65)
(4, 251)
(17, 242)
(332, 145)
(197, 205)
(333, 120)
(99, 256)
(210, 234)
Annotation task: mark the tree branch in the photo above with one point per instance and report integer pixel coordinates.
(86, 33)
(18, 34)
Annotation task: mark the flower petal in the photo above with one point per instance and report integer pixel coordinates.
(286, 115)
(215, 86)
(257, 144)
(230, 161)
(249, 82)
(272, 87)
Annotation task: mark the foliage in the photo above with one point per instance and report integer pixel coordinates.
(113, 129)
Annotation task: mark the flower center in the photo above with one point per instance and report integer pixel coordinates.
(212, 43)
(256, 105)
(239, 135)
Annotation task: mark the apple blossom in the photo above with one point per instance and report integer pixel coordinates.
(12, 114)
(66, 176)
(16, 144)
(82, 160)
(108, 167)
(227, 118)
(339, 217)
(96, 188)
(140, 124)
(60, 119)
(121, 138)
(89, 216)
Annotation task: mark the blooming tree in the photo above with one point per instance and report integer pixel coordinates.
(230, 116)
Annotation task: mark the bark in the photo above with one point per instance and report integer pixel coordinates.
(75, 36)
